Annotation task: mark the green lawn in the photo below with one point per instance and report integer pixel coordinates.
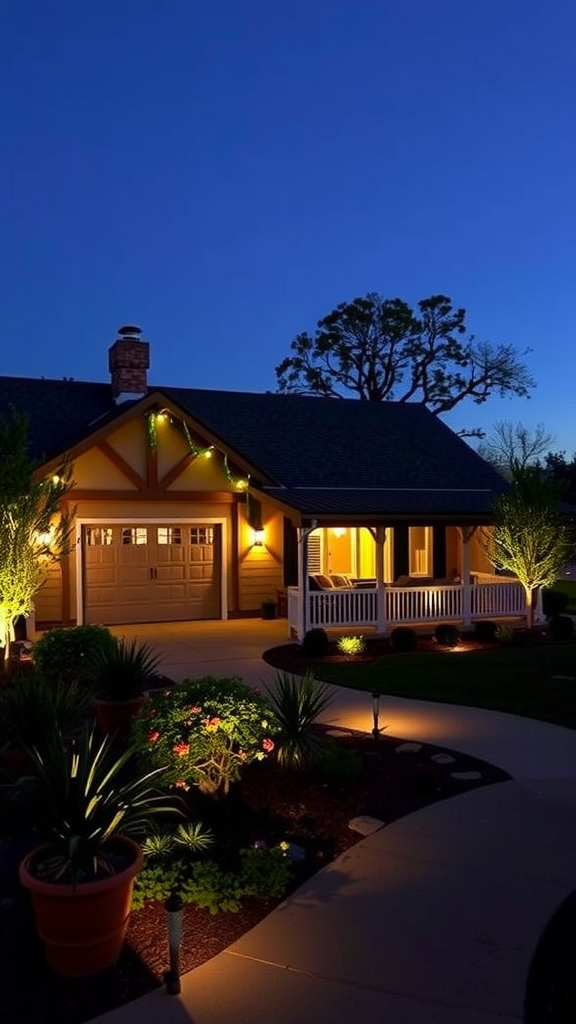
(515, 679)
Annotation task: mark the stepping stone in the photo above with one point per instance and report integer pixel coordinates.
(338, 732)
(466, 776)
(408, 748)
(365, 825)
(565, 679)
(443, 758)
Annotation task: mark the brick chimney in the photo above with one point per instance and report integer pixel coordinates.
(128, 360)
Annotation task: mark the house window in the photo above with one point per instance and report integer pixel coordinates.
(169, 534)
(420, 550)
(135, 535)
(201, 535)
(96, 536)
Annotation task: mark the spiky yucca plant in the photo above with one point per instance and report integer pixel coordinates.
(81, 796)
(120, 670)
(297, 704)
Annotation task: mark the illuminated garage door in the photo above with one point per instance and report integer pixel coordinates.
(151, 573)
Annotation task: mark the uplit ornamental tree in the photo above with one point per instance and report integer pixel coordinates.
(34, 532)
(530, 537)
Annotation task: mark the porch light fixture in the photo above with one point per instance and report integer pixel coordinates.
(174, 907)
(376, 715)
(258, 538)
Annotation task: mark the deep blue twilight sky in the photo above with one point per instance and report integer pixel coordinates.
(224, 172)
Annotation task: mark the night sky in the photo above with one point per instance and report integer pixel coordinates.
(224, 172)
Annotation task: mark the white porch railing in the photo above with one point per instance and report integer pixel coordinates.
(404, 605)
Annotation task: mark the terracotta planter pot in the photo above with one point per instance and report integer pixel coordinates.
(83, 929)
(116, 716)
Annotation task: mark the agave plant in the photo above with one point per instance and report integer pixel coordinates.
(82, 796)
(297, 704)
(120, 670)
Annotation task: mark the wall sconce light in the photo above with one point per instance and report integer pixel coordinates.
(376, 715)
(339, 531)
(258, 538)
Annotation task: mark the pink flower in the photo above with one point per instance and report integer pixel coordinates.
(153, 711)
(242, 755)
(195, 710)
(215, 721)
(153, 736)
(180, 784)
(268, 745)
(181, 749)
(255, 690)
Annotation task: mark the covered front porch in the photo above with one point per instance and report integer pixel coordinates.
(411, 582)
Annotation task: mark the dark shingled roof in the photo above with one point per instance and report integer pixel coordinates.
(326, 455)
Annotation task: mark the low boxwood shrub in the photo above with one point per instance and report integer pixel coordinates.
(340, 766)
(447, 635)
(205, 731)
(485, 631)
(64, 654)
(315, 643)
(561, 627)
(402, 638)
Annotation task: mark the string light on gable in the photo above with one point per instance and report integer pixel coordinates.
(239, 483)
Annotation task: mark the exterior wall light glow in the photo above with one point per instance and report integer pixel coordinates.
(339, 531)
(258, 538)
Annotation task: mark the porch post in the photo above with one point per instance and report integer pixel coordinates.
(303, 616)
(465, 534)
(381, 588)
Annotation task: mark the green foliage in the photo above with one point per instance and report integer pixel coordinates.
(65, 654)
(297, 704)
(402, 638)
(351, 645)
(81, 795)
(155, 882)
(340, 766)
(447, 635)
(34, 532)
(529, 538)
(263, 874)
(378, 349)
(504, 634)
(315, 643)
(205, 731)
(120, 670)
(32, 710)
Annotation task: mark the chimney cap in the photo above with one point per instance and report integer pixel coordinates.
(129, 332)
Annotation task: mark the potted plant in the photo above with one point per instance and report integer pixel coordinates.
(119, 673)
(268, 608)
(93, 808)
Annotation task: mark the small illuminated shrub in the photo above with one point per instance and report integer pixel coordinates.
(351, 645)
(504, 634)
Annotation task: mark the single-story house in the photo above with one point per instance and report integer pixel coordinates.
(202, 504)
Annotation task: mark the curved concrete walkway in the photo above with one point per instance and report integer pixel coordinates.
(432, 920)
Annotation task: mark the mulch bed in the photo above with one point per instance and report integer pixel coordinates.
(269, 804)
